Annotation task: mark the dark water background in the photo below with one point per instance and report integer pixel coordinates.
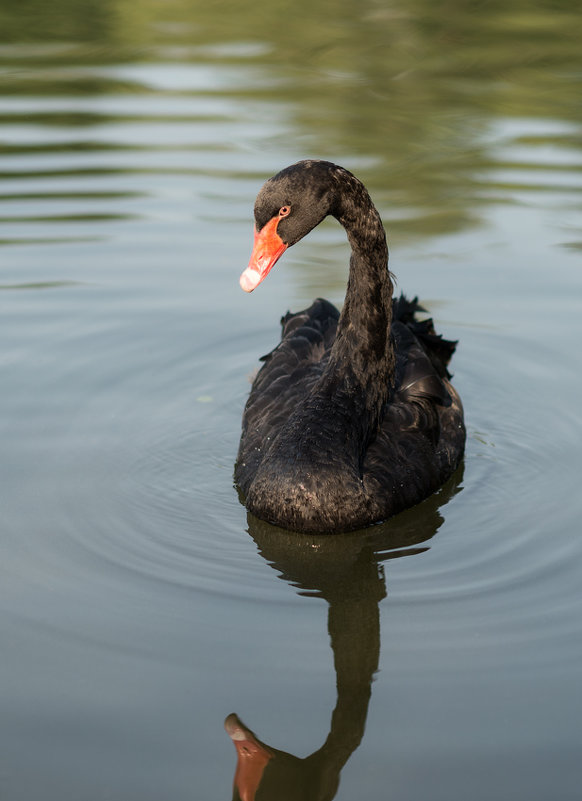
(138, 605)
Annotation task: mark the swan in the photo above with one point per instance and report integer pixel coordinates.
(352, 417)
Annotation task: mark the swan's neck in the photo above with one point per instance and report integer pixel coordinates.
(362, 357)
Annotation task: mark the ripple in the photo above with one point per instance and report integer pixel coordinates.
(149, 491)
(172, 516)
(163, 508)
(503, 554)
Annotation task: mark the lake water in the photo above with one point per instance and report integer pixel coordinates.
(139, 606)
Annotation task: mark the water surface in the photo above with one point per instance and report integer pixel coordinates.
(139, 605)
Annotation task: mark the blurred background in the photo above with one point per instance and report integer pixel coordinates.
(139, 606)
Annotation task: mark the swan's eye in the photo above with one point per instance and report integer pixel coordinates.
(284, 211)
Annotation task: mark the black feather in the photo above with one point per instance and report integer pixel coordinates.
(352, 417)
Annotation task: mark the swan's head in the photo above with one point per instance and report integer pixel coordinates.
(287, 208)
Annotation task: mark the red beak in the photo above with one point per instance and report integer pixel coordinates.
(252, 758)
(267, 249)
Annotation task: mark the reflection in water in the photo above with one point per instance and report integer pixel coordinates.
(132, 137)
(347, 571)
(433, 108)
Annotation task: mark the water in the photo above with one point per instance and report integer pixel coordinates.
(138, 604)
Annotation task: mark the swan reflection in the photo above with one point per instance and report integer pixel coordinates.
(346, 570)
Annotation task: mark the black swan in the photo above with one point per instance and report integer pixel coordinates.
(351, 418)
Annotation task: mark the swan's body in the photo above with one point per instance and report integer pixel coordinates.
(352, 417)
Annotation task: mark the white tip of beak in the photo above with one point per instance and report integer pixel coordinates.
(250, 279)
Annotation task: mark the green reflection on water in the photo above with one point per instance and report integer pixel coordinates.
(39, 285)
(404, 93)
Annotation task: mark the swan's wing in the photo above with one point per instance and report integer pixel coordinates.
(438, 350)
(289, 372)
(419, 373)
(417, 447)
(306, 338)
(421, 437)
(316, 325)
